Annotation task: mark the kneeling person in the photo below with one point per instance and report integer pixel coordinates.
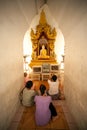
(53, 87)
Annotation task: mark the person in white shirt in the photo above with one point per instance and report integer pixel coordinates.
(53, 87)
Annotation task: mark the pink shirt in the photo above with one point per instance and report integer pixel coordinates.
(42, 114)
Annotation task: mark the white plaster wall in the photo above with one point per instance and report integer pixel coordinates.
(76, 72)
(15, 17)
(72, 19)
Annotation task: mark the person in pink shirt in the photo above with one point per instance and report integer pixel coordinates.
(44, 107)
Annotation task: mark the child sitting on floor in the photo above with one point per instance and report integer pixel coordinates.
(28, 93)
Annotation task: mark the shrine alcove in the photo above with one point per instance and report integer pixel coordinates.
(43, 39)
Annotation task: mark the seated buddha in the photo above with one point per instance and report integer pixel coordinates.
(43, 53)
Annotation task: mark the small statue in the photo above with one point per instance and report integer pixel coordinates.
(52, 54)
(34, 55)
(43, 53)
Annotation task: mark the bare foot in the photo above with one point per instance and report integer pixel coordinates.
(55, 118)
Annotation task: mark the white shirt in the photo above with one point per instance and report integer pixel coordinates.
(53, 87)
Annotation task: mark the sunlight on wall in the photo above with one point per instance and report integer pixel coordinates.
(27, 51)
(27, 47)
(59, 46)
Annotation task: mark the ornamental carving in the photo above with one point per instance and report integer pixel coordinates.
(43, 40)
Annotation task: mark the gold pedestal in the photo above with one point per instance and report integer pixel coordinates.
(40, 62)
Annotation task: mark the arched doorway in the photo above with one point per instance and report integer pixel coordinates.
(59, 45)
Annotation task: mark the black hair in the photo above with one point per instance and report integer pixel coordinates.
(54, 78)
(29, 84)
(42, 89)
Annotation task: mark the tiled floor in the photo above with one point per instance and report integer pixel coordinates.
(69, 118)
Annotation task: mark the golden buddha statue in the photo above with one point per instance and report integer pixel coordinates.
(43, 53)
